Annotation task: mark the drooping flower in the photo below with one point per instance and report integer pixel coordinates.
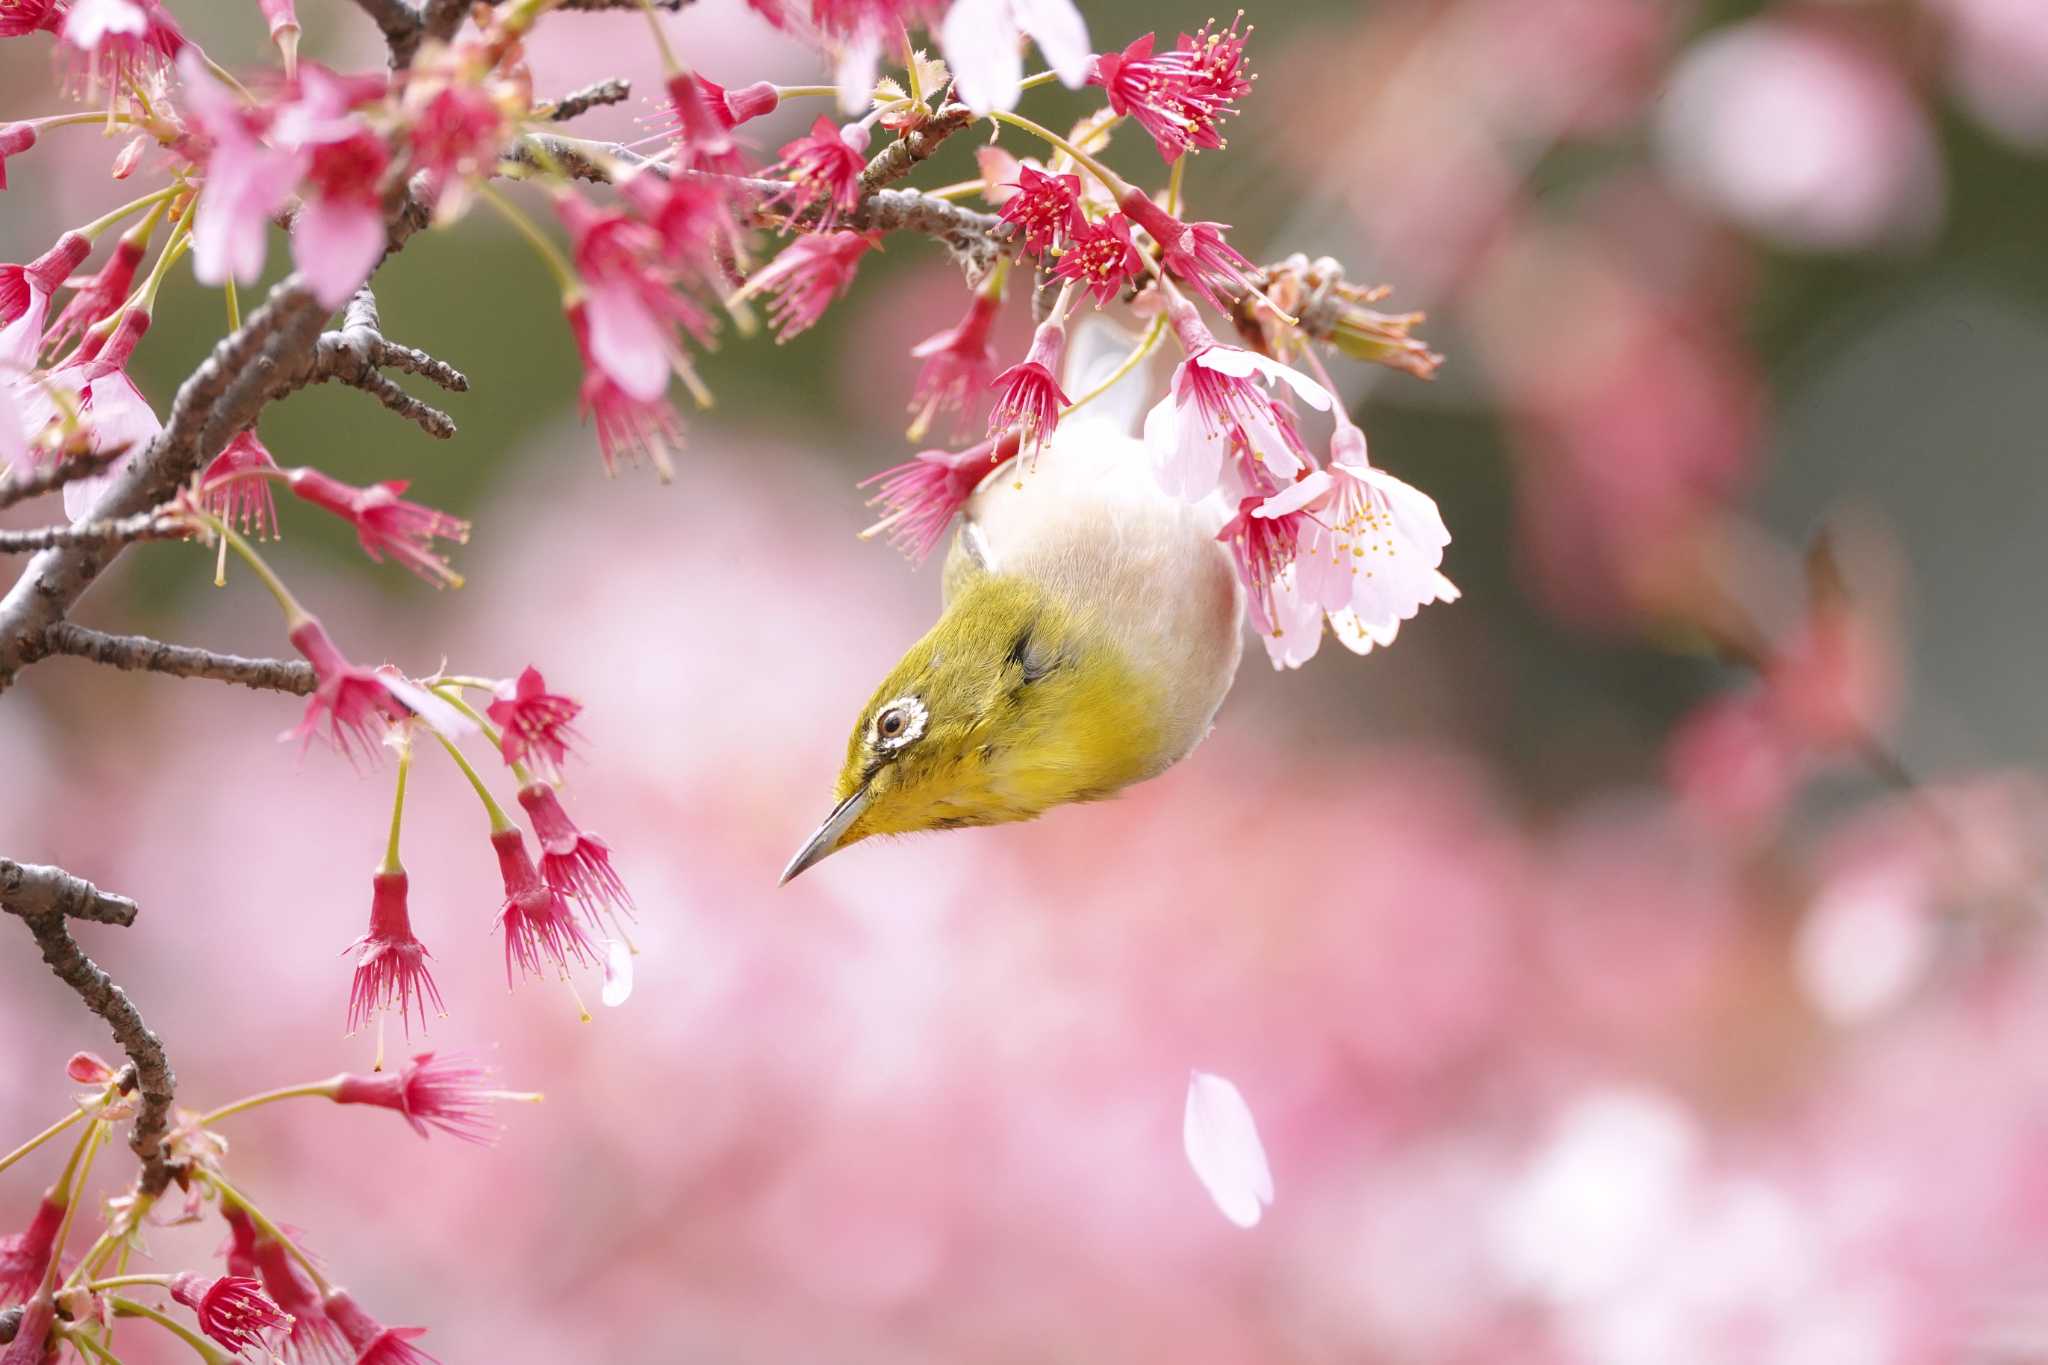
(1262, 547)
(1215, 406)
(980, 40)
(234, 486)
(446, 1092)
(232, 1309)
(386, 523)
(703, 126)
(1179, 95)
(534, 724)
(97, 388)
(690, 217)
(573, 860)
(374, 1343)
(824, 167)
(314, 1340)
(538, 925)
(922, 495)
(1373, 547)
(958, 363)
(458, 120)
(632, 305)
(1223, 1147)
(15, 138)
(25, 1256)
(807, 276)
(628, 427)
(391, 964)
(338, 235)
(357, 701)
(1029, 394)
(1046, 208)
(96, 296)
(248, 177)
(25, 292)
(282, 16)
(1193, 252)
(117, 43)
(1102, 258)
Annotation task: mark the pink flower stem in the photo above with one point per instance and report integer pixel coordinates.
(500, 822)
(391, 865)
(130, 1308)
(40, 1138)
(323, 1089)
(1117, 186)
(268, 1229)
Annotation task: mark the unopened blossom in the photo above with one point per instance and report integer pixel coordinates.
(538, 925)
(1029, 397)
(313, 1338)
(1195, 253)
(391, 963)
(633, 308)
(95, 297)
(628, 428)
(1223, 1147)
(386, 523)
(25, 292)
(958, 363)
(1372, 546)
(1045, 208)
(117, 43)
(235, 486)
(1216, 406)
(357, 702)
(1102, 258)
(823, 167)
(88, 1068)
(25, 1256)
(232, 1309)
(572, 860)
(374, 1343)
(449, 1092)
(282, 16)
(921, 496)
(15, 138)
(1179, 95)
(535, 725)
(807, 276)
(981, 41)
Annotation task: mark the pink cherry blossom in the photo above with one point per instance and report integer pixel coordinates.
(1215, 408)
(1029, 397)
(633, 308)
(703, 124)
(391, 963)
(538, 925)
(980, 40)
(1045, 208)
(112, 43)
(235, 486)
(808, 275)
(24, 1256)
(95, 384)
(355, 701)
(958, 363)
(247, 178)
(96, 296)
(232, 1309)
(823, 167)
(1194, 253)
(1179, 95)
(25, 292)
(19, 18)
(15, 138)
(534, 724)
(313, 1339)
(450, 1092)
(628, 428)
(1102, 258)
(386, 523)
(921, 496)
(573, 861)
(338, 233)
(374, 1343)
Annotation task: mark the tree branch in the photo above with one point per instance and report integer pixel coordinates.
(902, 156)
(150, 525)
(354, 354)
(140, 652)
(36, 482)
(155, 1081)
(579, 102)
(36, 889)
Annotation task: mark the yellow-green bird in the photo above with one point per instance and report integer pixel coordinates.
(1091, 627)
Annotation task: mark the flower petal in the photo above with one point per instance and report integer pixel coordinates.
(336, 244)
(1239, 363)
(979, 38)
(1223, 1146)
(1296, 495)
(1061, 34)
(618, 973)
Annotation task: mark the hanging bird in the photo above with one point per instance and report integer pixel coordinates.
(1091, 627)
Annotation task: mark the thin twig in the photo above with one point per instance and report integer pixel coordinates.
(355, 355)
(155, 1081)
(140, 652)
(902, 156)
(37, 889)
(577, 103)
(150, 525)
(35, 483)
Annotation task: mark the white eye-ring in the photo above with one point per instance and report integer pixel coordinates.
(901, 721)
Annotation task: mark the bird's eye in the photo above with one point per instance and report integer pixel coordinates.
(899, 722)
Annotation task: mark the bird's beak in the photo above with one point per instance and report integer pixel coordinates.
(826, 841)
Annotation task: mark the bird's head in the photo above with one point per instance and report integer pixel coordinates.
(1013, 703)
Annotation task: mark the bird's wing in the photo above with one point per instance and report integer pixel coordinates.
(968, 560)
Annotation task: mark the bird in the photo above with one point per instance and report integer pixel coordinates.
(1091, 626)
